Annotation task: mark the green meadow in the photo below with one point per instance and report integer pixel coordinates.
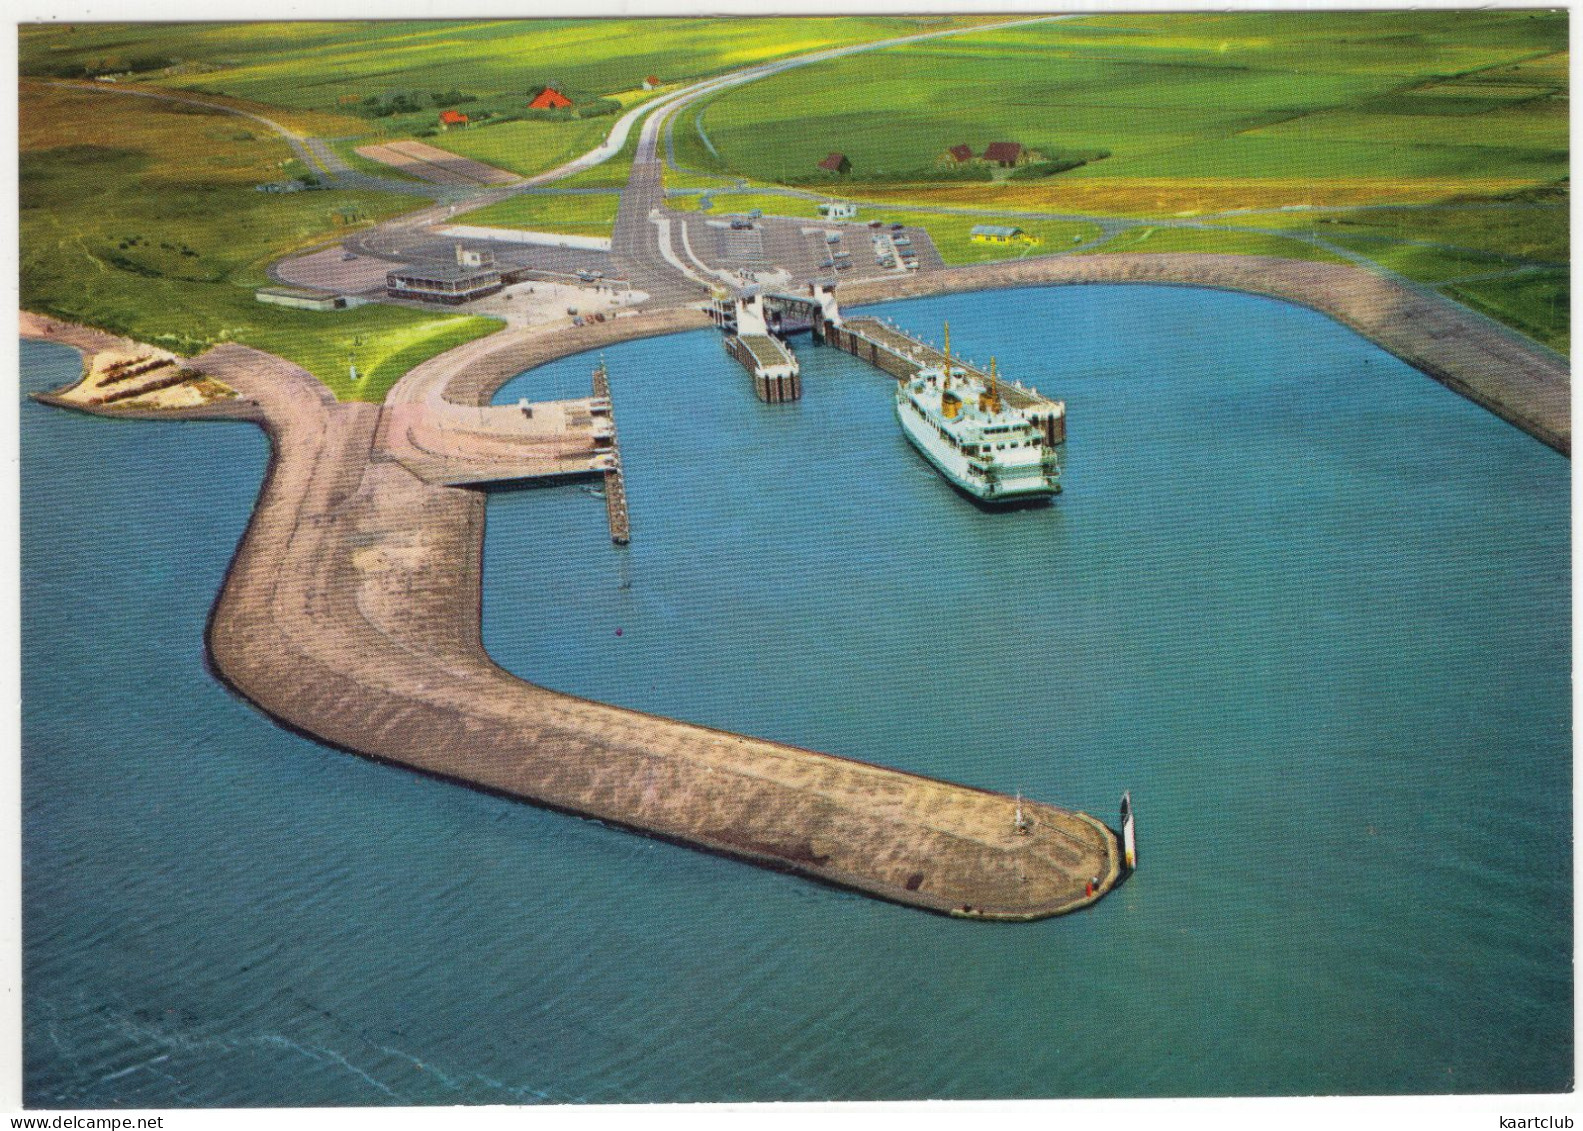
(525, 147)
(1204, 114)
(1167, 239)
(330, 64)
(578, 215)
(1301, 122)
(142, 218)
(1381, 97)
(1536, 302)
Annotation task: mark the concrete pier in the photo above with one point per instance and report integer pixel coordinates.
(751, 338)
(902, 356)
(777, 378)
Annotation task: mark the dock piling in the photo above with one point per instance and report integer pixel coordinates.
(615, 486)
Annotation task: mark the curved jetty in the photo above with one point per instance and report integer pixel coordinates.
(352, 608)
(351, 612)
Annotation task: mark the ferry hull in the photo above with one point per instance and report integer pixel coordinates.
(1023, 490)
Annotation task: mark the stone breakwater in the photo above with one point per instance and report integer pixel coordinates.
(351, 612)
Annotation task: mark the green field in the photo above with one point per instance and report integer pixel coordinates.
(1164, 239)
(329, 64)
(525, 147)
(141, 217)
(952, 235)
(1302, 122)
(578, 215)
(1537, 303)
(1531, 227)
(1342, 102)
(1203, 114)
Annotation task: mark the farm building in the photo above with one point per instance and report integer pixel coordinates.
(651, 83)
(836, 163)
(837, 209)
(450, 283)
(957, 155)
(549, 99)
(1006, 154)
(300, 299)
(449, 118)
(1000, 233)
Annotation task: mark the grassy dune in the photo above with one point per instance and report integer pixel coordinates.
(141, 217)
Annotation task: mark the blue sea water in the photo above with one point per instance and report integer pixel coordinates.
(1312, 609)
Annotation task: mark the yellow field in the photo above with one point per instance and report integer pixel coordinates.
(1187, 197)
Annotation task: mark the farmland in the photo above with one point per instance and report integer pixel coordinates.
(319, 77)
(1208, 115)
(1379, 101)
(146, 223)
(1433, 143)
(328, 64)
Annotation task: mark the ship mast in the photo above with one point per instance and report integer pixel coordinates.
(994, 388)
(947, 384)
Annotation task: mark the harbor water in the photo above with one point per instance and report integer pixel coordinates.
(1309, 607)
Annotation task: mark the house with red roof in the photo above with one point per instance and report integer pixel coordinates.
(449, 118)
(651, 83)
(549, 99)
(959, 154)
(1006, 154)
(836, 163)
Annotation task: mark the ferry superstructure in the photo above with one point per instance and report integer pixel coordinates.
(963, 426)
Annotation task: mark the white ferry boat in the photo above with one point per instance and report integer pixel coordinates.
(963, 426)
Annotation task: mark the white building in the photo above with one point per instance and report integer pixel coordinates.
(837, 210)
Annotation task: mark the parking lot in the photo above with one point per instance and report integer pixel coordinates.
(809, 250)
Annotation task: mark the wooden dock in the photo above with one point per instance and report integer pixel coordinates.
(615, 484)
